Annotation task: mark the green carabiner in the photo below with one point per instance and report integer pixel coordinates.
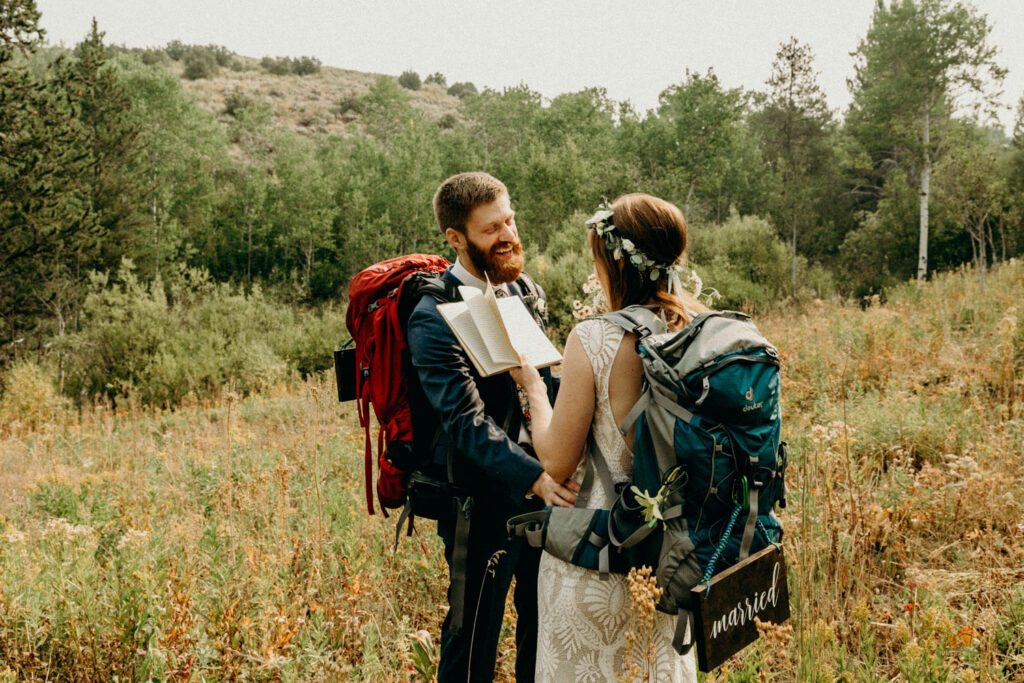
(744, 501)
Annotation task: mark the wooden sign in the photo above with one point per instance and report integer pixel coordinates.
(723, 619)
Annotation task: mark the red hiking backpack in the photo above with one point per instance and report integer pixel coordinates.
(381, 298)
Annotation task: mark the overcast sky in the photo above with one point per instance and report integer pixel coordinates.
(634, 48)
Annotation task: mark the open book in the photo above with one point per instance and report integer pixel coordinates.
(494, 332)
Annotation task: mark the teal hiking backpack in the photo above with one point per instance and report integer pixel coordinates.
(708, 463)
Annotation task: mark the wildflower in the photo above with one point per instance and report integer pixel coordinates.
(13, 536)
(696, 284)
(69, 532)
(133, 538)
(651, 505)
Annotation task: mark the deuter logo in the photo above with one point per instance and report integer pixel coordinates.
(750, 397)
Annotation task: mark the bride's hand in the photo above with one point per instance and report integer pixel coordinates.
(525, 376)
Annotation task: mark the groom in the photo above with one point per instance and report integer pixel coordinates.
(482, 422)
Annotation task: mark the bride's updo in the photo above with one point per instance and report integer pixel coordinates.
(656, 230)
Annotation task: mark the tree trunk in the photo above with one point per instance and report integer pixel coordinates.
(794, 256)
(926, 178)
(61, 328)
(689, 196)
(309, 267)
(982, 259)
(1002, 236)
(248, 251)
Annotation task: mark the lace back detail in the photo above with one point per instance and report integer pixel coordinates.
(601, 340)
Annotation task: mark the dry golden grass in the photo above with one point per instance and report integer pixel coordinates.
(229, 540)
(310, 104)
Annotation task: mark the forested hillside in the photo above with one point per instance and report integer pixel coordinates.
(171, 179)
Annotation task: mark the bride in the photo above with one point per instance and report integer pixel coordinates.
(583, 620)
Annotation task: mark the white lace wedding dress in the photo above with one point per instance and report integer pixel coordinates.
(583, 620)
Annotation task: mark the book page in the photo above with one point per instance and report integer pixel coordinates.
(526, 336)
(458, 317)
(485, 312)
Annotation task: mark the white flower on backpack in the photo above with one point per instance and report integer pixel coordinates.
(650, 505)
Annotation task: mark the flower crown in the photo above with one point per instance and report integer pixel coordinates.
(601, 222)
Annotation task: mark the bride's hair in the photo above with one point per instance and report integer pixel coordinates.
(657, 229)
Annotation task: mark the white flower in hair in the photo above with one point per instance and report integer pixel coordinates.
(620, 246)
(600, 217)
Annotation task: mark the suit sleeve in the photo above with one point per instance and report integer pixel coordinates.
(450, 388)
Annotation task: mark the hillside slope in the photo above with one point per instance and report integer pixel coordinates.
(319, 103)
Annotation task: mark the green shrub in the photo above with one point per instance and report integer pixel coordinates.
(220, 54)
(200, 64)
(349, 102)
(1009, 636)
(437, 78)
(160, 342)
(461, 89)
(176, 50)
(154, 57)
(448, 121)
(307, 343)
(235, 101)
(28, 398)
(750, 267)
(410, 80)
(307, 65)
(278, 66)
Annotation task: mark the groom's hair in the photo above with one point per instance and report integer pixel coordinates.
(460, 194)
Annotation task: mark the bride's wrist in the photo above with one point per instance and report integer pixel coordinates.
(537, 391)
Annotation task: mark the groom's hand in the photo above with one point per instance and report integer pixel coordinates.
(552, 492)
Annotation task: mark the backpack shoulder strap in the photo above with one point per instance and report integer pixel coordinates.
(534, 298)
(445, 291)
(529, 286)
(419, 285)
(639, 320)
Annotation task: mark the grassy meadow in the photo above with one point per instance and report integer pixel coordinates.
(228, 540)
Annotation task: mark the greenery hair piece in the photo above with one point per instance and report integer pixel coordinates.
(601, 222)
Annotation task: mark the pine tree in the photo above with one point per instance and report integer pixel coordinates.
(794, 126)
(109, 136)
(48, 229)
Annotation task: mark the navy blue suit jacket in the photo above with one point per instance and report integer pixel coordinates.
(471, 408)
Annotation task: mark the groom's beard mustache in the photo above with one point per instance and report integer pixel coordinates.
(498, 271)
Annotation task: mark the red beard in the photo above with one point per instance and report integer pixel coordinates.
(499, 271)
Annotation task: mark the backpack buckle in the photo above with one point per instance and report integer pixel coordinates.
(464, 506)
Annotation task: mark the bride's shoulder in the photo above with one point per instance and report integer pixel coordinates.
(594, 332)
(588, 326)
